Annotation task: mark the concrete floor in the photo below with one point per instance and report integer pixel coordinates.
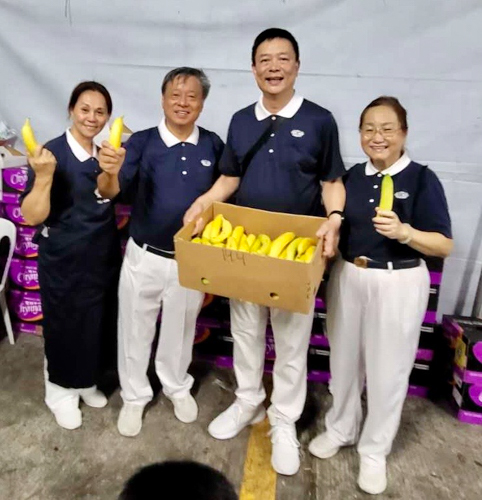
(434, 456)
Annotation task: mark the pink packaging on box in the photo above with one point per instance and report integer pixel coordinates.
(24, 246)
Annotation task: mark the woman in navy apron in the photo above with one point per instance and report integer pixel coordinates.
(79, 255)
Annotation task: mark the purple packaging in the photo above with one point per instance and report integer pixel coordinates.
(15, 179)
(468, 401)
(14, 213)
(24, 246)
(26, 306)
(24, 274)
(28, 328)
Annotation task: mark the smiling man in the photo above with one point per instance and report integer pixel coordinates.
(161, 171)
(280, 152)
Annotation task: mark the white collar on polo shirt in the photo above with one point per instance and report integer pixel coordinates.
(79, 152)
(171, 140)
(402, 163)
(287, 112)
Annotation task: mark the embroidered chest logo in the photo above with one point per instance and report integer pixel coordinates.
(206, 163)
(401, 195)
(297, 133)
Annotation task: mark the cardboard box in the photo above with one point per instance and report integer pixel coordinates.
(254, 278)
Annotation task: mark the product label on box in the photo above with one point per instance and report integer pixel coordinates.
(24, 273)
(14, 213)
(15, 178)
(24, 245)
(25, 305)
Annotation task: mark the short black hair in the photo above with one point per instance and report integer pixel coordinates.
(180, 480)
(270, 34)
(186, 71)
(93, 86)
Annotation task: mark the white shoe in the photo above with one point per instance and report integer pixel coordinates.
(93, 398)
(185, 408)
(129, 423)
(285, 457)
(233, 420)
(322, 446)
(69, 417)
(372, 477)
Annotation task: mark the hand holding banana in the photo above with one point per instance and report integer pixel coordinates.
(41, 160)
(112, 155)
(220, 233)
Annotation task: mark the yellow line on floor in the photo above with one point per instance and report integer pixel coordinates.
(259, 479)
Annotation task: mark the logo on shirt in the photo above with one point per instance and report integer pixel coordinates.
(206, 163)
(401, 195)
(297, 133)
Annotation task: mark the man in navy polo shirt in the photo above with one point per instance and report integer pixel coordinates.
(285, 175)
(162, 171)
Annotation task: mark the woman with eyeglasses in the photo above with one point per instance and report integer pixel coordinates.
(378, 291)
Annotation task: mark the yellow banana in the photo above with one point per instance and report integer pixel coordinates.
(231, 243)
(28, 137)
(196, 240)
(205, 241)
(283, 254)
(291, 249)
(280, 243)
(243, 244)
(304, 244)
(386, 193)
(216, 227)
(265, 244)
(115, 137)
(251, 238)
(238, 231)
(207, 231)
(308, 255)
(225, 233)
(256, 245)
(220, 245)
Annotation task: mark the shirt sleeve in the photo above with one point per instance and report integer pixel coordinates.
(330, 163)
(129, 172)
(218, 153)
(229, 163)
(430, 212)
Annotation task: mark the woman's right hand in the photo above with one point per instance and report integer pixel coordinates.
(43, 162)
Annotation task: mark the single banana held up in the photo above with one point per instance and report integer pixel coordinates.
(29, 137)
(115, 137)
(386, 193)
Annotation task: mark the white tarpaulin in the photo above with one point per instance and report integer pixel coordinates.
(426, 52)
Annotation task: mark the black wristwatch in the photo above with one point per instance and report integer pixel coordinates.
(339, 212)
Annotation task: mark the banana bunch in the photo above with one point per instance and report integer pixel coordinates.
(220, 233)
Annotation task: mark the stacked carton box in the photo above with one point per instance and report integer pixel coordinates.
(23, 295)
(464, 339)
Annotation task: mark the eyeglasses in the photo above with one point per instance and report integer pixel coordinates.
(370, 131)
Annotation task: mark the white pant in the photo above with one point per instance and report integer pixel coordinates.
(146, 281)
(373, 319)
(291, 333)
(57, 396)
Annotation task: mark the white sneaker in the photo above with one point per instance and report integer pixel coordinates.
(185, 408)
(129, 423)
(233, 420)
(285, 457)
(372, 477)
(322, 446)
(93, 397)
(69, 417)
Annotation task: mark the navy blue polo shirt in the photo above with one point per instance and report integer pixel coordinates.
(285, 174)
(419, 200)
(162, 181)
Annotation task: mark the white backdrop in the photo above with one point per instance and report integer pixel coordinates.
(426, 52)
